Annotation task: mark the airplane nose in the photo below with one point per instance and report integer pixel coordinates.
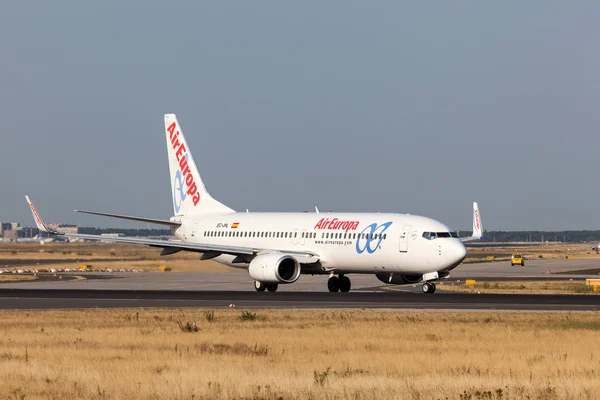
(459, 251)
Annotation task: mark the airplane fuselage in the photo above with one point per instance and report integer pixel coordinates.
(344, 242)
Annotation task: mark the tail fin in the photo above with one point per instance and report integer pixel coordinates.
(477, 225)
(189, 193)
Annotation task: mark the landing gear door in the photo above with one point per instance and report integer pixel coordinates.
(404, 238)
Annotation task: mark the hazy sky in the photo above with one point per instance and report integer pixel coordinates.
(415, 107)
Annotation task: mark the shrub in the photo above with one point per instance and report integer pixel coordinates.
(188, 326)
(321, 378)
(247, 316)
(209, 315)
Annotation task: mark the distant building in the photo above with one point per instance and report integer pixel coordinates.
(12, 234)
(9, 230)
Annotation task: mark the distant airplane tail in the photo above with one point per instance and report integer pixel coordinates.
(189, 193)
(477, 225)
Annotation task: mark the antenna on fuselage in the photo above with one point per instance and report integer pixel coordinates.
(247, 210)
(316, 209)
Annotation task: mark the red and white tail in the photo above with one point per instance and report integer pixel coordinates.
(38, 221)
(190, 196)
(477, 226)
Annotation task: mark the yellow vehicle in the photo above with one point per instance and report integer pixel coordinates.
(517, 259)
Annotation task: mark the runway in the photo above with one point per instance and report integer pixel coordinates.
(386, 299)
(220, 289)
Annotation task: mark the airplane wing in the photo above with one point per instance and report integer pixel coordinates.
(171, 246)
(477, 226)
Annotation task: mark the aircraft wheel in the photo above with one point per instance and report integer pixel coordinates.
(432, 289)
(345, 284)
(272, 287)
(333, 284)
(259, 286)
(428, 287)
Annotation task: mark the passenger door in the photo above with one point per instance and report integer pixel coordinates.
(404, 238)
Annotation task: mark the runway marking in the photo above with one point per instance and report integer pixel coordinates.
(395, 290)
(199, 285)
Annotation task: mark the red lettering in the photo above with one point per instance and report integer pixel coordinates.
(192, 189)
(180, 151)
(189, 179)
(196, 199)
(318, 225)
(171, 129)
(344, 226)
(186, 170)
(183, 163)
(355, 225)
(330, 226)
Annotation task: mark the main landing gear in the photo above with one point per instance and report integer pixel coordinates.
(341, 284)
(260, 286)
(428, 287)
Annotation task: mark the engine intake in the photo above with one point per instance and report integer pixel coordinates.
(274, 268)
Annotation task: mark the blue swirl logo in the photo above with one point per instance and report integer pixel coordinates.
(369, 242)
(179, 194)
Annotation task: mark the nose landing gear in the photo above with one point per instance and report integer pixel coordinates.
(428, 287)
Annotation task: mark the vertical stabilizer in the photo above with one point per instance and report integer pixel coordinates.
(189, 193)
(477, 226)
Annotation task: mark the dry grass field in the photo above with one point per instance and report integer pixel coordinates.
(144, 354)
(522, 287)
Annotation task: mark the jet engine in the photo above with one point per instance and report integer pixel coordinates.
(274, 268)
(399, 279)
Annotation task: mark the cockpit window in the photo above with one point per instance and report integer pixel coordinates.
(435, 235)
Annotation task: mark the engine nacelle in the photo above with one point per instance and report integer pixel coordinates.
(274, 268)
(399, 279)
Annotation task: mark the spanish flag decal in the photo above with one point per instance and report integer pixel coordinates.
(235, 224)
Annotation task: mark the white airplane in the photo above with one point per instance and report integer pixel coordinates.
(276, 248)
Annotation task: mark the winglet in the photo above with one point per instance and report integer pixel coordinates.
(477, 225)
(38, 221)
